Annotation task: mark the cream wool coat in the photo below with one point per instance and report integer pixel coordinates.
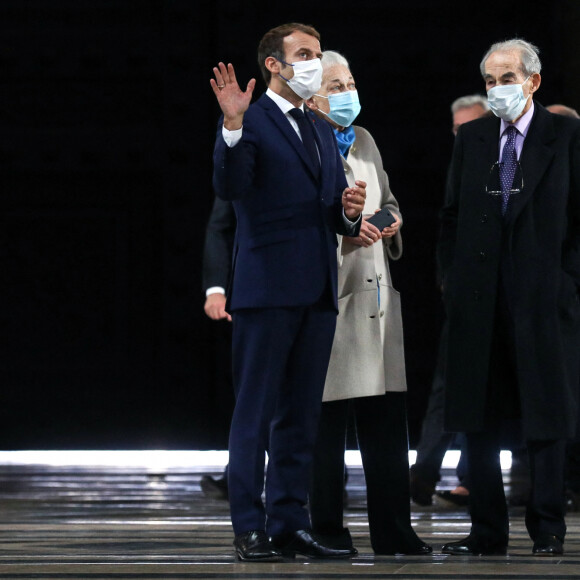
(367, 354)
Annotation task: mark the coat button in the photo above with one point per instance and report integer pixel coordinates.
(346, 169)
(380, 276)
(484, 218)
(382, 313)
(482, 256)
(477, 295)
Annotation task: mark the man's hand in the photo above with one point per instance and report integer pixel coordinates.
(232, 100)
(369, 234)
(353, 200)
(215, 307)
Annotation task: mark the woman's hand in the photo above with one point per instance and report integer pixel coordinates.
(391, 230)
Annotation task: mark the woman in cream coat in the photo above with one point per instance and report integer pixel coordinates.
(366, 375)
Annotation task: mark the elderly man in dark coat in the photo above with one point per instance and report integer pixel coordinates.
(509, 252)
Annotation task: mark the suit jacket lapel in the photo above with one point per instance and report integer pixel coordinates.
(535, 158)
(280, 120)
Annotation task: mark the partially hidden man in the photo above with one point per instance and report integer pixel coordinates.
(510, 256)
(280, 166)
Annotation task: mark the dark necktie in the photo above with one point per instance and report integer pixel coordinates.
(508, 166)
(307, 137)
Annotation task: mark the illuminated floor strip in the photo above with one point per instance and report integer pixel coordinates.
(160, 460)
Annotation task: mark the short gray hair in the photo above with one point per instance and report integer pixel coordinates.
(331, 57)
(530, 61)
(469, 101)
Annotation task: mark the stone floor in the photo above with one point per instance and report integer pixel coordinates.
(129, 522)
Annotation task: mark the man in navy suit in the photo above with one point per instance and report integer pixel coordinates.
(282, 170)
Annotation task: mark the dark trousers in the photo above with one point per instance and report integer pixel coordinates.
(573, 460)
(546, 509)
(280, 359)
(381, 427)
(434, 441)
(489, 516)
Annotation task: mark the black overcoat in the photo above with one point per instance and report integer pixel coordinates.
(541, 247)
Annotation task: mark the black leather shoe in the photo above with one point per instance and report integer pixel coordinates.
(214, 488)
(423, 550)
(546, 545)
(473, 547)
(304, 543)
(340, 540)
(419, 550)
(455, 498)
(255, 546)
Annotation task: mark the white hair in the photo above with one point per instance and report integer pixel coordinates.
(563, 110)
(530, 61)
(469, 101)
(331, 57)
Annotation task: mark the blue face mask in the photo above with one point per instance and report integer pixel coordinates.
(507, 101)
(344, 107)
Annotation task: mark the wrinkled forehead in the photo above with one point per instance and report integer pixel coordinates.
(504, 61)
(337, 73)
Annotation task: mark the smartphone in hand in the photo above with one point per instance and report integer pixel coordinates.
(382, 219)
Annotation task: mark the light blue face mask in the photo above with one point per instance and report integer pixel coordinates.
(507, 101)
(344, 107)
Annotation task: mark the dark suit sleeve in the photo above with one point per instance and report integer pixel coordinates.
(219, 241)
(234, 167)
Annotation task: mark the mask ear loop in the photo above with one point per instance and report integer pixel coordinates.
(287, 64)
(326, 114)
(532, 87)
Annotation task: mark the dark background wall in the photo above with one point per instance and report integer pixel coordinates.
(107, 128)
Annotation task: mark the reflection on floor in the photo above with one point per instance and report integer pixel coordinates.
(62, 521)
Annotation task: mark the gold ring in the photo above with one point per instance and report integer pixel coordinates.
(221, 86)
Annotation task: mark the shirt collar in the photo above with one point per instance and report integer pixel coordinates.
(522, 124)
(284, 105)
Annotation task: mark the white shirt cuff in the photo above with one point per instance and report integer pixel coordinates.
(215, 290)
(350, 226)
(232, 138)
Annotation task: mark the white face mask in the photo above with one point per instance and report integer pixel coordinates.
(507, 101)
(307, 77)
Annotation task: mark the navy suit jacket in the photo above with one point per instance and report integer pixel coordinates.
(287, 218)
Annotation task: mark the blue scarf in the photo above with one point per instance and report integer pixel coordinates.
(345, 139)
